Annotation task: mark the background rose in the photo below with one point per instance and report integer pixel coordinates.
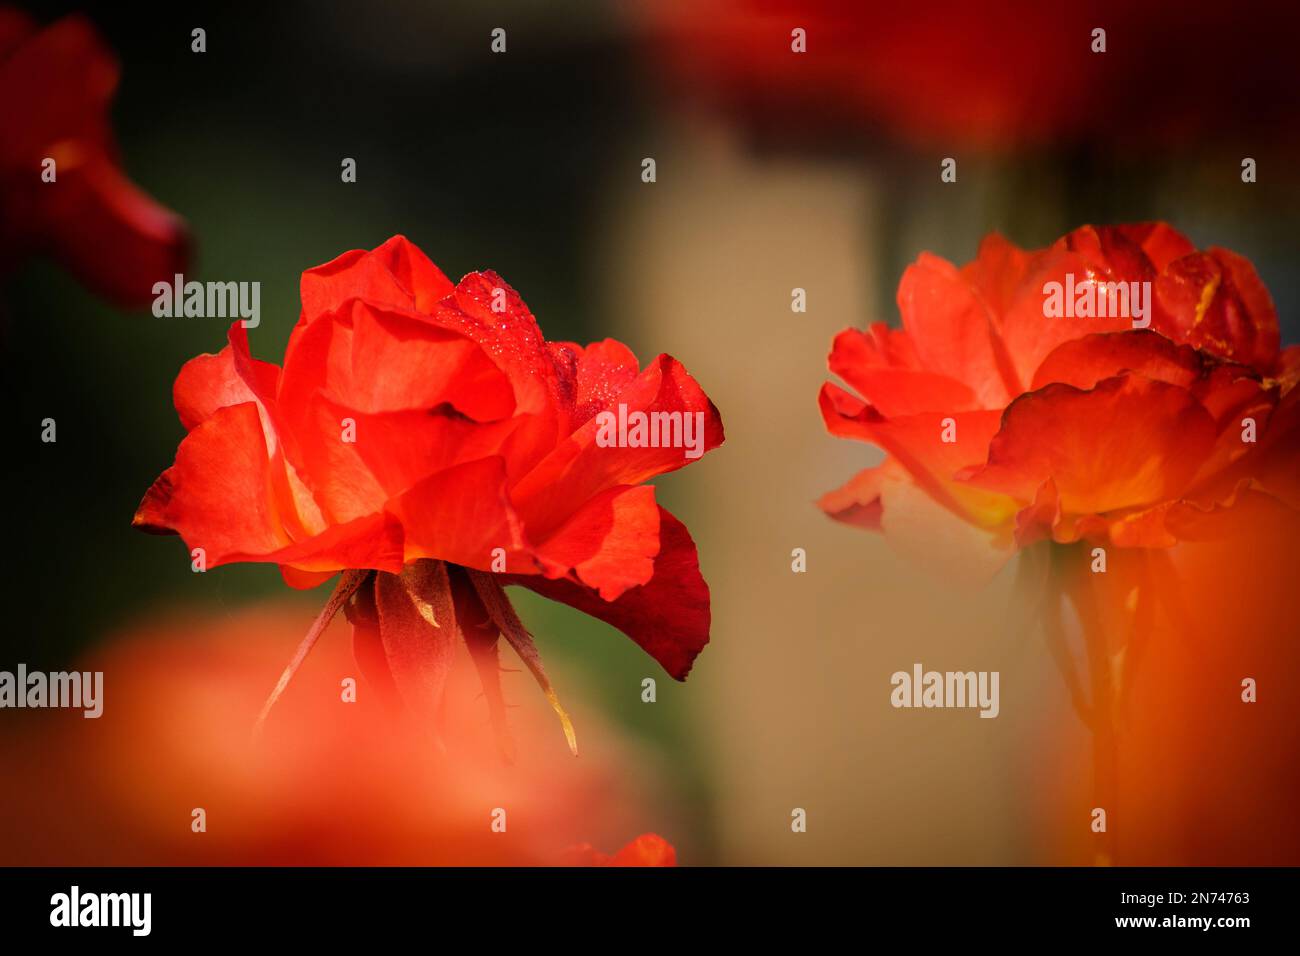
(1071, 428)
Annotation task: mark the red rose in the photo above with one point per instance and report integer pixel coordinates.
(55, 88)
(422, 436)
(1027, 426)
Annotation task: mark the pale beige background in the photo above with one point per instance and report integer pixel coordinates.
(793, 692)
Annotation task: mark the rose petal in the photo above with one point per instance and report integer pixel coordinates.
(215, 495)
(863, 360)
(396, 274)
(668, 616)
(460, 515)
(954, 332)
(916, 443)
(610, 542)
(1129, 441)
(378, 360)
(857, 501)
(230, 377)
(1085, 361)
(579, 468)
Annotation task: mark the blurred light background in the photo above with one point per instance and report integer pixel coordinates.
(773, 172)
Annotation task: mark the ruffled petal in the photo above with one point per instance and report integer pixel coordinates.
(916, 442)
(1030, 336)
(230, 377)
(1129, 441)
(395, 274)
(953, 331)
(1159, 241)
(609, 544)
(668, 616)
(378, 360)
(485, 309)
(602, 371)
(870, 362)
(1216, 301)
(1085, 361)
(1228, 392)
(215, 495)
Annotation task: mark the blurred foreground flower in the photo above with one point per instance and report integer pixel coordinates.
(427, 441)
(1207, 735)
(330, 783)
(62, 192)
(649, 849)
(1093, 445)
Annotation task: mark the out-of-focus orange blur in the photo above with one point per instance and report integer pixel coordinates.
(331, 782)
(1203, 777)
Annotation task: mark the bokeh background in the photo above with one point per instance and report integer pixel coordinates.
(774, 171)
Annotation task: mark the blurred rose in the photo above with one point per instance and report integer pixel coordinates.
(56, 84)
(330, 783)
(1001, 75)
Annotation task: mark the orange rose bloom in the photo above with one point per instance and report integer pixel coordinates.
(1128, 429)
